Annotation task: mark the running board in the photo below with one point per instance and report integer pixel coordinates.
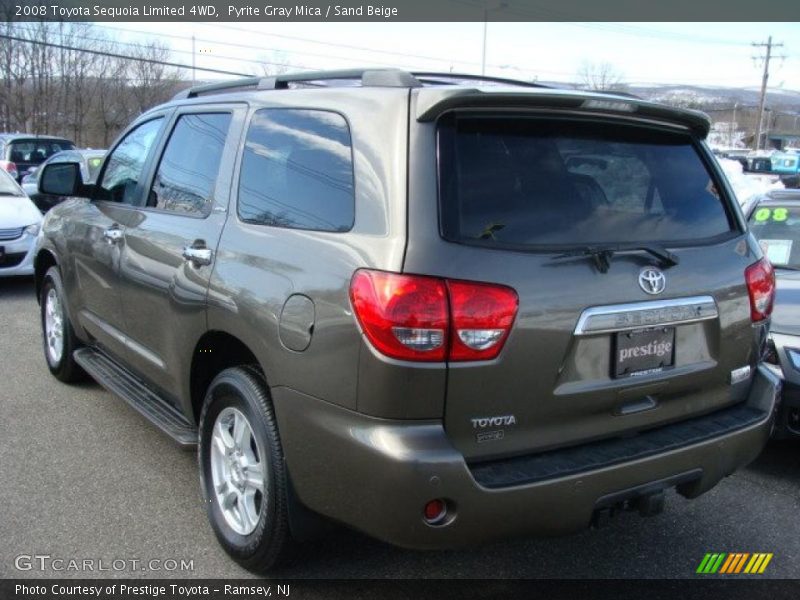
(121, 382)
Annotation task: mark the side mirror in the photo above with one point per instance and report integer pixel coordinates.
(61, 179)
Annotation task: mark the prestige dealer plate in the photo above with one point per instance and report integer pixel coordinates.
(643, 351)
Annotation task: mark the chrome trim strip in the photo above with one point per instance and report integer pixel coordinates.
(638, 315)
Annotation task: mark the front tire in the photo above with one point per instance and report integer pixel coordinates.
(242, 472)
(58, 335)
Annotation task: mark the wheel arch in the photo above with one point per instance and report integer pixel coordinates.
(214, 352)
(43, 261)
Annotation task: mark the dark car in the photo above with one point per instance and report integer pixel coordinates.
(20, 151)
(441, 313)
(775, 220)
(89, 160)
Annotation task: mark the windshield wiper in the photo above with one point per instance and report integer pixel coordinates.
(601, 254)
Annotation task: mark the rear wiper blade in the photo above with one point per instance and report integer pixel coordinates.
(601, 254)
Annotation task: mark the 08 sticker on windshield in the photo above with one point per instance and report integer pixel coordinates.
(777, 214)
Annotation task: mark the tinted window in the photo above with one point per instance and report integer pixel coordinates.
(125, 166)
(189, 166)
(297, 171)
(777, 228)
(523, 182)
(36, 151)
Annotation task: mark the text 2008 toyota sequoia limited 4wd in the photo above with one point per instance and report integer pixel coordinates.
(437, 309)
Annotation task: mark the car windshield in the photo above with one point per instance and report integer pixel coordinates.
(528, 183)
(777, 229)
(8, 186)
(94, 162)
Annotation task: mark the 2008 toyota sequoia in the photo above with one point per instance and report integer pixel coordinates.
(436, 308)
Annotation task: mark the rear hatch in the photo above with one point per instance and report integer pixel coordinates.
(628, 258)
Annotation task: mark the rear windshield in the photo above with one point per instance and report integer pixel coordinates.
(36, 151)
(528, 182)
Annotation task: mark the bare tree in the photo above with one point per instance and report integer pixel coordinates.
(600, 77)
(274, 64)
(151, 83)
(51, 84)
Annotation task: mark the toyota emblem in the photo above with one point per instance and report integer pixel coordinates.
(652, 280)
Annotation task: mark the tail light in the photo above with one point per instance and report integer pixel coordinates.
(404, 316)
(760, 278)
(482, 315)
(412, 317)
(9, 166)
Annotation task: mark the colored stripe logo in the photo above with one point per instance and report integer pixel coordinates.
(734, 563)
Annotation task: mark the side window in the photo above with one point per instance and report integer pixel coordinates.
(297, 171)
(126, 163)
(188, 170)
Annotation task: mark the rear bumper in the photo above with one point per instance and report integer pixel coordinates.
(376, 475)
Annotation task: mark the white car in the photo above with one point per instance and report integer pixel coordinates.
(20, 222)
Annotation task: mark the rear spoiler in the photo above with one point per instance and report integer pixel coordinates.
(433, 102)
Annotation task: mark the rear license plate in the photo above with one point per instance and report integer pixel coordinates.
(643, 351)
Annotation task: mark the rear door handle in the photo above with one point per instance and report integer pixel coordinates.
(113, 234)
(197, 254)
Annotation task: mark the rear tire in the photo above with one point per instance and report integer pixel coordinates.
(59, 338)
(242, 472)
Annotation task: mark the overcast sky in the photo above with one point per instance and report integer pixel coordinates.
(668, 53)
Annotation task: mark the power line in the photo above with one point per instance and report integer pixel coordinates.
(122, 56)
(569, 19)
(172, 50)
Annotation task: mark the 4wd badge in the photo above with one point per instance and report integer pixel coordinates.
(487, 427)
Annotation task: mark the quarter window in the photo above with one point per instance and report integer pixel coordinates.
(297, 171)
(126, 164)
(188, 170)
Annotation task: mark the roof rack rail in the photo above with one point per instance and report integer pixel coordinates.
(456, 78)
(367, 78)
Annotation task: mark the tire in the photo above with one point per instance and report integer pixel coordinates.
(251, 524)
(58, 336)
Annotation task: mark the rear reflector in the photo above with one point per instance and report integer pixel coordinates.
(760, 279)
(435, 511)
(419, 318)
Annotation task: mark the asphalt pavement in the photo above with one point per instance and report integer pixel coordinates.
(84, 477)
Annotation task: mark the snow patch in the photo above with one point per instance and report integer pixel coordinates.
(747, 185)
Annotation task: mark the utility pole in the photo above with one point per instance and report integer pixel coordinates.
(759, 124)
(487, 6)
(485, 27)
